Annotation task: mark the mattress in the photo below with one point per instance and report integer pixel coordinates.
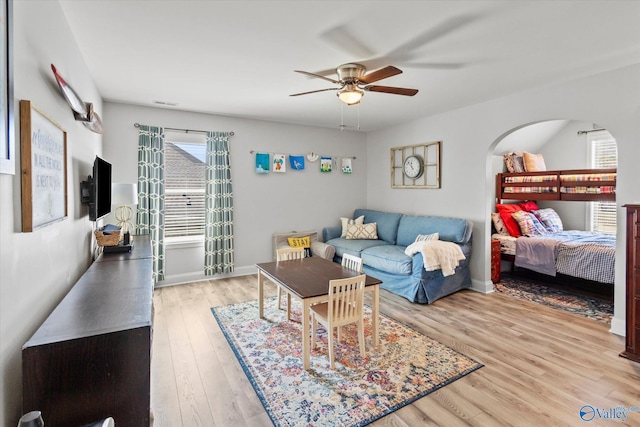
(581, 254)
(591, 179)
(507, 243)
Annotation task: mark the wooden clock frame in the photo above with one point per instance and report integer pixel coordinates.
(430, 154)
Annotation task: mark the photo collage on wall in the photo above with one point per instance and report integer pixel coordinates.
(277, 162)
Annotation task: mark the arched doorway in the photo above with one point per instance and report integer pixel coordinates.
(564, 144)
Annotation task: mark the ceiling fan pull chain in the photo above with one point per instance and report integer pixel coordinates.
(358, 116)
(341, 116)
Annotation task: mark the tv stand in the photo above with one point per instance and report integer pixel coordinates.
(91, 358)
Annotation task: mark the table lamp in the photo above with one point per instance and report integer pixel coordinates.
(124, 195)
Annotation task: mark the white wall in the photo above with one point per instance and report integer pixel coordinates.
(263, 204)
(568, 150)
(38, 268)
(469, 135)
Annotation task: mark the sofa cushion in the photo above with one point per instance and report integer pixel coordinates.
(389, 258)
(387, 223)
(353, 247)
(449, 229)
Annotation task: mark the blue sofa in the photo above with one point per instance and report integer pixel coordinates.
(385, 258)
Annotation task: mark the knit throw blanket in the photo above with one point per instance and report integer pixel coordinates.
(437, 254)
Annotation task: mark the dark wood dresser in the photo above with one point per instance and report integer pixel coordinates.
(632, 350)
(91, 358)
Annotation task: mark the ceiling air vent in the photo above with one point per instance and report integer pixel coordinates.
(166, 103)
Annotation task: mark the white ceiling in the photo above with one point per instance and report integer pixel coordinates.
(237, 58)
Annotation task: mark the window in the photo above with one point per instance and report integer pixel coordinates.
(185, 168)
(603, 154)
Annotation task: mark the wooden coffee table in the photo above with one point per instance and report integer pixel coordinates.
(308, 280)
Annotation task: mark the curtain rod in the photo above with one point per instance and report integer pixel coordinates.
(184, 130)
(580, 132)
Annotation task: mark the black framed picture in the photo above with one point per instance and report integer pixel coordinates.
(7, 134)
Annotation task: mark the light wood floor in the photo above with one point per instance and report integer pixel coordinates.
(541, 365)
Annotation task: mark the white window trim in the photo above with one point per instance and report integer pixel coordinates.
(591, 137)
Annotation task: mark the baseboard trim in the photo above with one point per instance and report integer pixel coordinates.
(485, 287)
(618, 326)
(182, 279)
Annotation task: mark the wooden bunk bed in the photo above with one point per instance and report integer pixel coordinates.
(585, 185)
(579, 185)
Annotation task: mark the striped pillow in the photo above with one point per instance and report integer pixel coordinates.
(529, 224)
(549, 219)
(426, 237)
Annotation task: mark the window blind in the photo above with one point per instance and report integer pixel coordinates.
(604, 154)
(185, 170)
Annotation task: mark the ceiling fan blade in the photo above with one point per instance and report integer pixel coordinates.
(392, 90)
(342, 38)
(437, 65)
(314, 91)
(327, 72)
(445, 27)
(317, 75)
(380, 74)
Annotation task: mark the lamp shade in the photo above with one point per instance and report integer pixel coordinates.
(350, 96)
(124, 194)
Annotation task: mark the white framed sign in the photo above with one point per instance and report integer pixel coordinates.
(43, 157)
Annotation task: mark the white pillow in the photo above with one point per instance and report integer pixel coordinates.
(346, 222)
(425, 237)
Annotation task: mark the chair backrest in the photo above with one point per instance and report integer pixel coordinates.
(286, 254)
(352, 262)
(346, 299)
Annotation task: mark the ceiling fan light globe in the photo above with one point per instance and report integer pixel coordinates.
(350, 97)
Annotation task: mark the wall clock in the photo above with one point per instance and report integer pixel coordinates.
(413, 166)
(416, 166)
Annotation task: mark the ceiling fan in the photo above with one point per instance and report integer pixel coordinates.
(353, 82)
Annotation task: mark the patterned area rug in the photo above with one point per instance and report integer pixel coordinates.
(407, 366)
(571, 302)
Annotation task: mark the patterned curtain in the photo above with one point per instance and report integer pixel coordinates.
(218, 234)
(150, 218)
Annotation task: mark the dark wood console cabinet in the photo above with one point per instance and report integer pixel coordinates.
(632, 350)
(91, 358)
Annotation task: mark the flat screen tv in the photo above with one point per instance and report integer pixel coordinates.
(96, 191)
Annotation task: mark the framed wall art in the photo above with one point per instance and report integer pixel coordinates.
(43, 158)
(416, 166)
(7, 136)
